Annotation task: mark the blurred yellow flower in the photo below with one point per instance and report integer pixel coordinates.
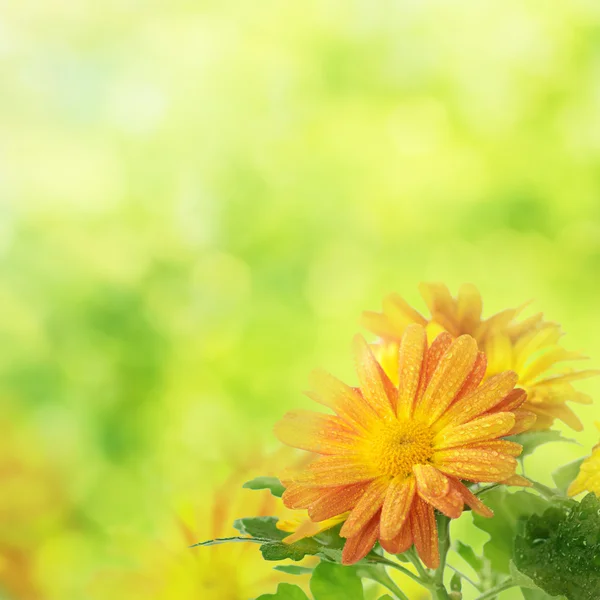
(588, 479)
(170, 569)
(529, 347)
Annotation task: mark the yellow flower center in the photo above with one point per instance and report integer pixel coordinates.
(399, 445)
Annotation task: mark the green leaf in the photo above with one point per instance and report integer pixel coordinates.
(285, 591)
(293, 569)
(456, 583)
(468, 555)
(508, 509)
(296, 551)
(329, 580)
(538, 594)
(560, 550)
(565, 475)
(266, 483)
(386, 597)
(260, 527)
(520, 578)
(530, 440)
(227, 540)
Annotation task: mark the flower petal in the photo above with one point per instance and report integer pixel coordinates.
(475, 465)
(438, 348)
(468, 307)
(297, 496)
(335, 501)
(430, 481)
(333, 471)
(400, 313)
(503, 446)
(546, 360)
(370, 503)
(396, 506)
(400, 543)
(344, 400)
(525, 420)
(413, 348)
(374, 383)
(513, 400)
(484, 398)
(475, 377)
(358, 546)
(447, 379)
(472, 501)
(518, 481)
(424, 532)
(316, 432)
(487, 427)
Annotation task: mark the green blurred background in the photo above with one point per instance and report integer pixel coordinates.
(197, 199)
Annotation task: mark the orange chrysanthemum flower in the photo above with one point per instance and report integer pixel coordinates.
(394, 453)
(529, 347)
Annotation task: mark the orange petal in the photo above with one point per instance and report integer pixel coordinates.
(501, 446)
(524, 421)
(335, 501)
(399, 544)
(315, 432)
(518, 481)
(370, 503)
(438, 348)
(472, 501)
(344, 400)
(358, 546)
(481, 400)
(424, 532)
(333, 471)
(475, 377)
(298, 496)
(430, 481)
(487, 427)
(451, 504)
(475, 465)
(448, 378)
(413, 348)
(513, 400)
(396, 506)
(374, 383)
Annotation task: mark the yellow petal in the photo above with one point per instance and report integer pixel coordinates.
(315, 432)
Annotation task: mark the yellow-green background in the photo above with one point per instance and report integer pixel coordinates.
(197, 199)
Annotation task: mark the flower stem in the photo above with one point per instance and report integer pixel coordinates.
(439, 589)
(505, 585)
(394, 565)
(545, 491)
(463, 576)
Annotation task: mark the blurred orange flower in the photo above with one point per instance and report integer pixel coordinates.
(529, 347)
